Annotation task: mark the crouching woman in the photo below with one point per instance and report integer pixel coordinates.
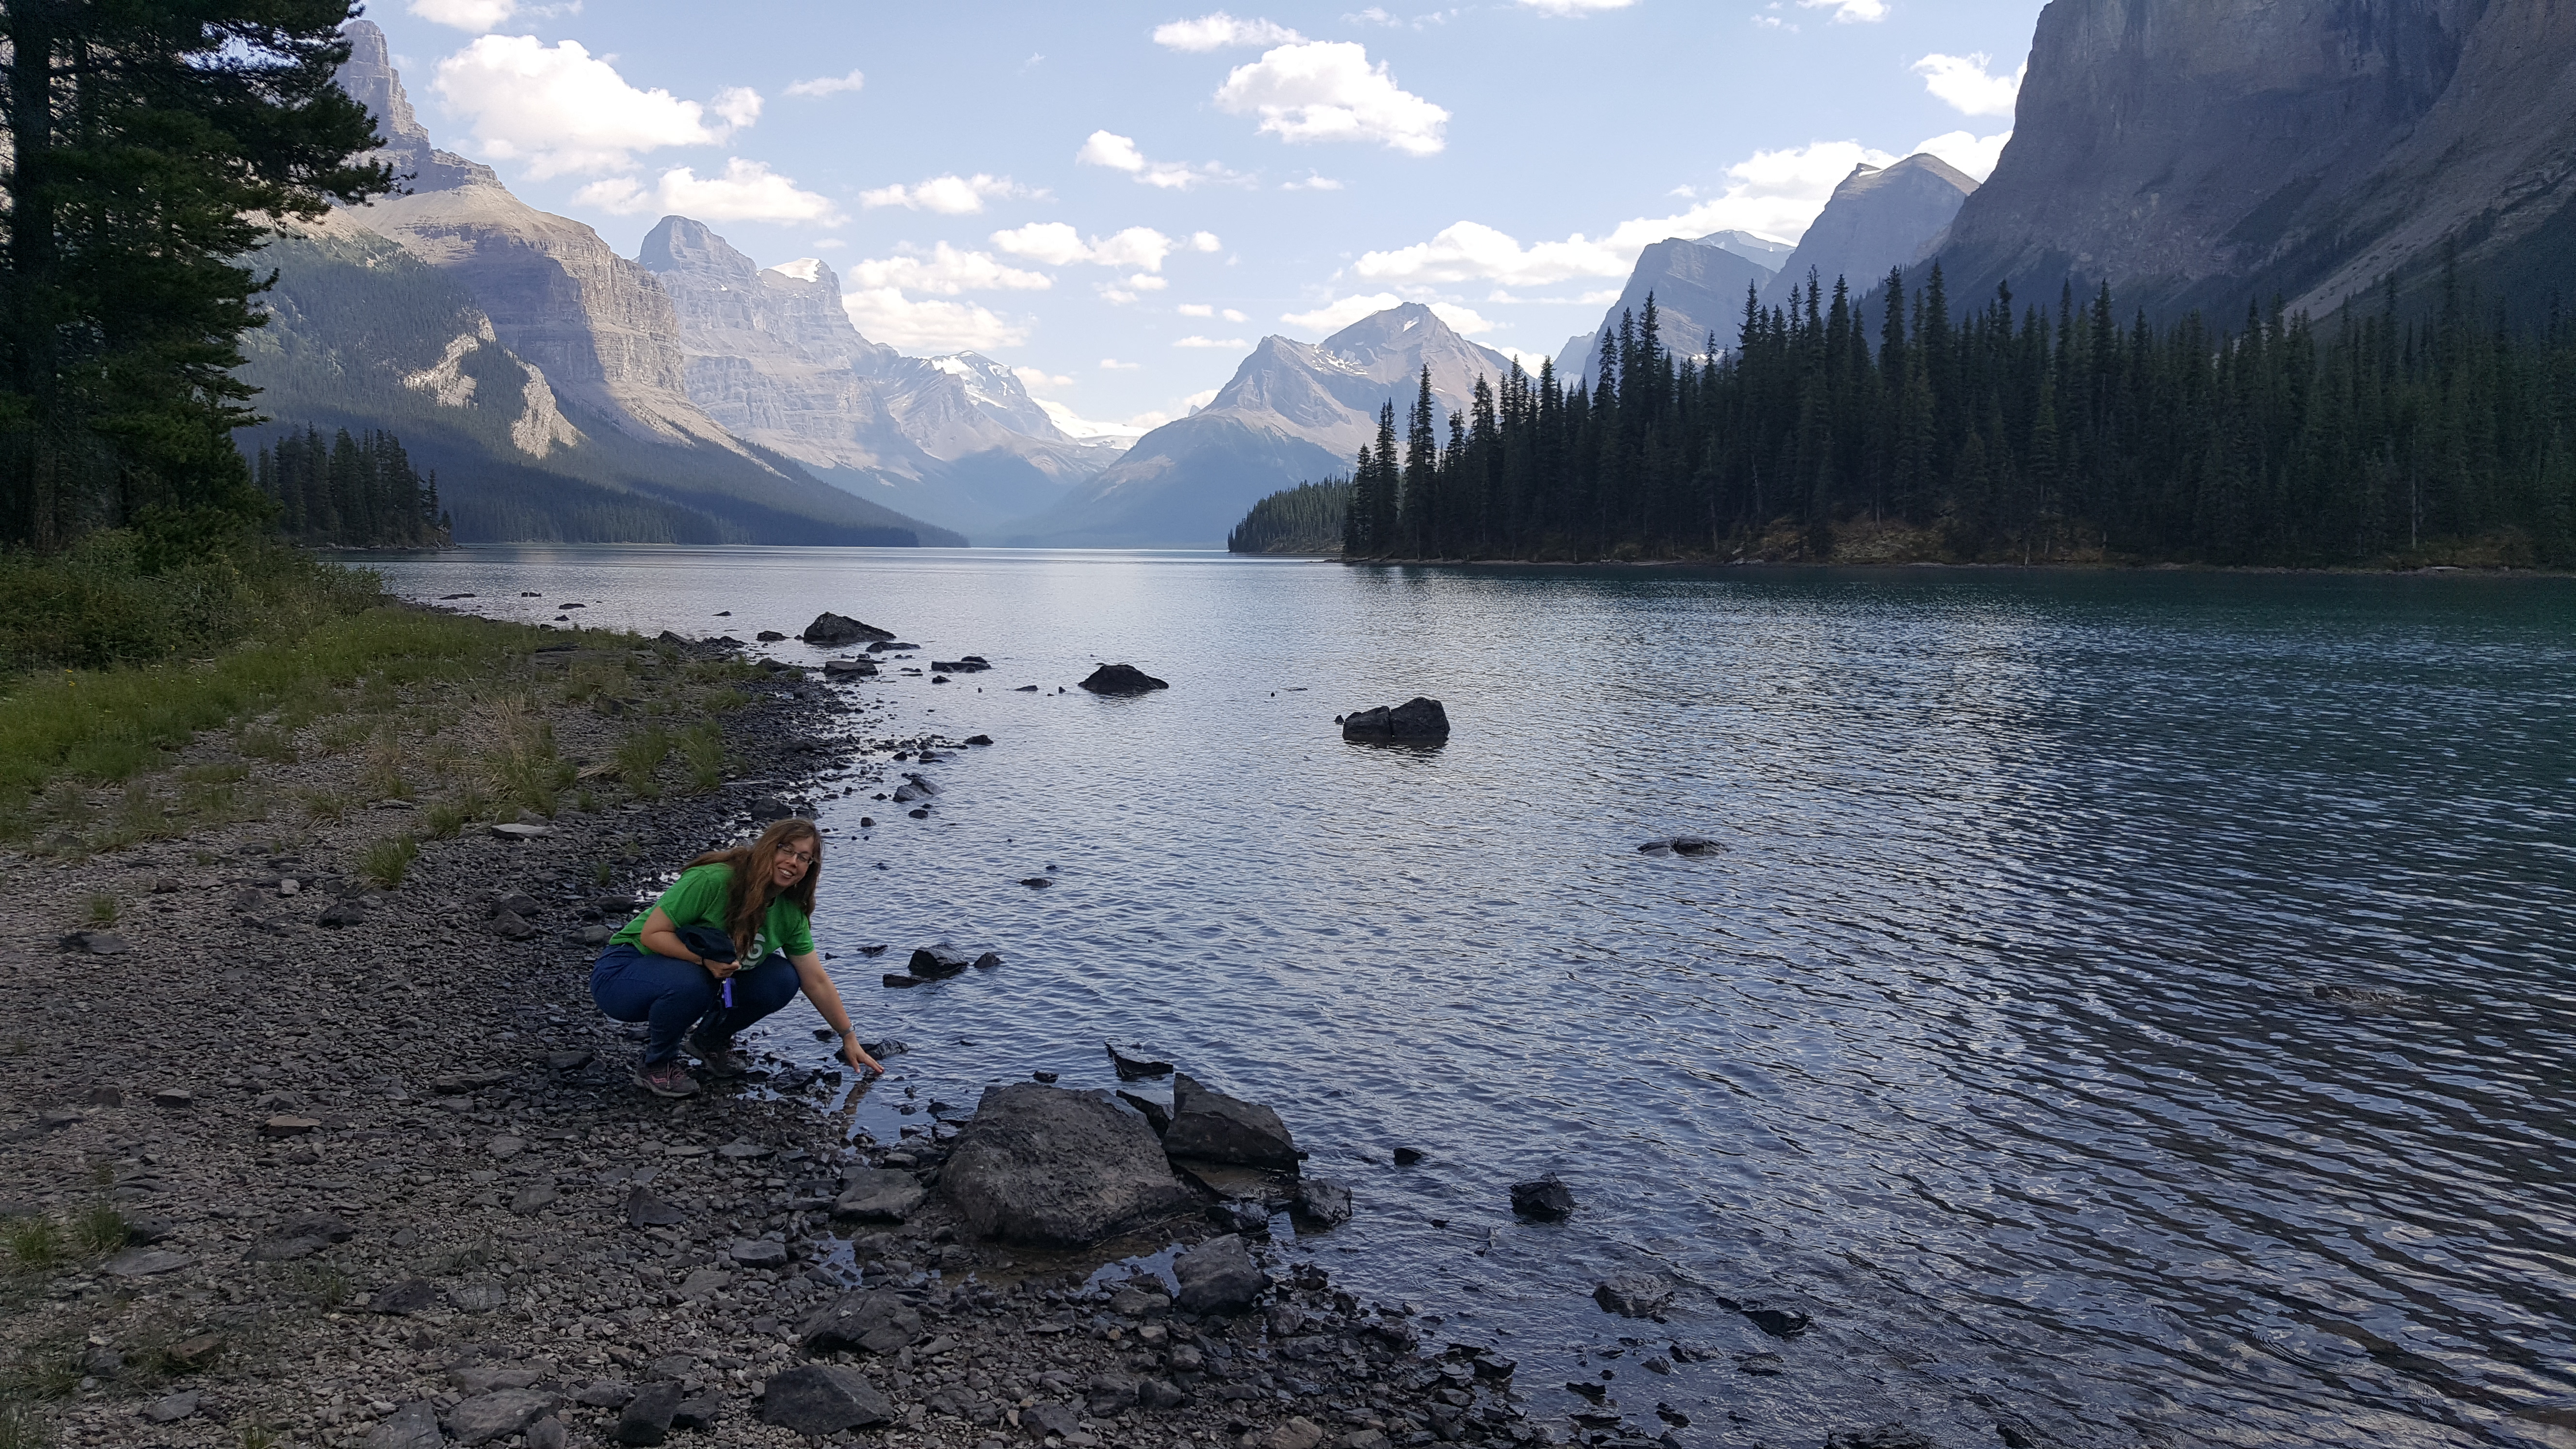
(727, 944)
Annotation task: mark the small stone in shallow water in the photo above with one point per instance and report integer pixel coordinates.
(1545, 1199)
(1407, 1156)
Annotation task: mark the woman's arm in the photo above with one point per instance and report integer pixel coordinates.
(818, 988)
(662, 938)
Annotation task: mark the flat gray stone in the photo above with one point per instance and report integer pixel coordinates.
(523, 832)
(411, 1295)
(1218, 1276)
(878, 1195)
(534, 1198)
(758, 1253)
(478, 1297)
(413, 1426)
(869, 1321)
(1054, 1167)
(174, 1408)
(646, 1418)
(499, 1414)
(817, 1399)
(147, 1263)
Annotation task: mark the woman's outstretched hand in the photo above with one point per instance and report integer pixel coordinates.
(857, 1055)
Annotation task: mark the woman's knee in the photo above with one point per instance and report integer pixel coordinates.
(769, 985)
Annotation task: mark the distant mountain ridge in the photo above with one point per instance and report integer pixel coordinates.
(1293, 412)
(1699, 286)
(1878, 219)
(2202, 156)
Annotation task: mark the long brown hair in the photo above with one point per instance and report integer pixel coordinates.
(749, 894)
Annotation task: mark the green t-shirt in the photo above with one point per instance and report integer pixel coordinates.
(697, 898)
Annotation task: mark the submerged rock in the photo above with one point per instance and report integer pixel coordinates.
(1217, 1128)
(1133, 1069)
(1122, 679)
(1416, 721)
(1545, 1199)
(1634, 1295)
(943, 958)
(834, 631)
(1053, 1167)
(1323, 1203)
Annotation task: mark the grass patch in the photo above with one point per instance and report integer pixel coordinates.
(267, 743)
(117, 599)
(100, 910)
(702, 746)
(23, 1426)
(526, 771)
(385, 862)
(35, 1244)
(98, 1230)
(106, 726)
(320, 805)
(639, 760)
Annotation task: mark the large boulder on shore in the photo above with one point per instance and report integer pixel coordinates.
(838, 631)
(1414, 722)
(1218, 1276)
(1122, 679)
(1214, 1127)
(1053, 1167)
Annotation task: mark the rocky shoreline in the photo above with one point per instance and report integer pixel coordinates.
(293, 1160)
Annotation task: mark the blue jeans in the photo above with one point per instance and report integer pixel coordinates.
(673, 996)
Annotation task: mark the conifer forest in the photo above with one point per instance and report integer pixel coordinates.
(2011, 433)
(349, 492)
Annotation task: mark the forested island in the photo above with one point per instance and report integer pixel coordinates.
(1890, 428)
(350, 492)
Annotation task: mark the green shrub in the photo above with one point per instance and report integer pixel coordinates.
(639, 760)
(702, 745)
(35, 1244)
(100, 1229)
(387, 861)
(100, 910)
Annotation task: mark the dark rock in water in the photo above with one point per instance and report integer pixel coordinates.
(647, 1416)
(849, 669)
(1885, 1436)
(1634, 1295)
(665, 637)
(1036, 882)
(1157, 1116)
(935, 961)
(1679, 845)
(1217, 1276)
(1130, 1069)
(988, 960)
(872, 950)
(869, 822)
(769, 636)
(1047, 1077)
(2372, 999)
(1025, 689)
(1545, 1199)
(1407, 1156)
(919, 812)
(984, 739)
(1323, 1202)
(898, 980)
(1122, 679)
(1777, 1322)
(768, 808)
(876, 1321)
(835, 631)
(1250, 1219)
(1052, 1167)
(816, 1399)
(971, 664)
(1217, 1128)
(1416, 721)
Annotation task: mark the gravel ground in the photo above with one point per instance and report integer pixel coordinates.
(387, 1182)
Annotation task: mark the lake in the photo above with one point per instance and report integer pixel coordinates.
(2138, 1003)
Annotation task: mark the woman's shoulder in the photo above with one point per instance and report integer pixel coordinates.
(712, 871)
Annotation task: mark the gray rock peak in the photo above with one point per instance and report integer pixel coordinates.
(371, 80)
(1880, 217)
(683, 244)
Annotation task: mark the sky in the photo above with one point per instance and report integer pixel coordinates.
(1118, 200)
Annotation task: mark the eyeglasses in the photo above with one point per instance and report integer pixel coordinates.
(801, 857)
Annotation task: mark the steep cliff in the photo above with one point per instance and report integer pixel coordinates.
(2195, 153)
(1698, 287)
(1878, 218)
(1294, 411)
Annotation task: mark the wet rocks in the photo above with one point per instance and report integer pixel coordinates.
(1416, 721)
(819, 1399)
(942, 959)
(1135, 1069)
(877, 1195)
(1545, 1199)
(1634, 1295)
(1053, 1167)
(849, 669)
(1322, 1203)
(1213, 1127)
(870, 1321)
(1122, 679)
(1157, 1116)
(970, 664)
(839, 631)
(1884, 1436)
(1775, 1321)
(1218, 1276)
(1679, 845)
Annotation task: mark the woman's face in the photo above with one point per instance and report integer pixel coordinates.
(794, 855)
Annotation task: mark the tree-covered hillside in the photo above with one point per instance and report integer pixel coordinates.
(1308, 518)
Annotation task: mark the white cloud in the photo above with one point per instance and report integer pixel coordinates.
(1970, 152)
(946, 271)
(830, 244)
(1205, 241)
(1775, 193)
(1036, 378)
(1198, 400)
(745, 191)
(1055, 244)
(475, 15)
(1148, 282)
(1334, 316)
(830, 85)
(1328, 91)
(1961, 82)
(1119, 153)
(1577, 7)
(1195, 309)
(1232, 315)
(886, 315)
(1221, 31)
(1111, 364)
(1462, 320)
(1223, 344)
(1850, 12)
(1772, 22)
(1312, 182)
(947, 195)
(559, 109)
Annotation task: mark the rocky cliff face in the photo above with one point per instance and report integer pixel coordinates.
(2201, 153)
(1877, 219)
(1294, 411)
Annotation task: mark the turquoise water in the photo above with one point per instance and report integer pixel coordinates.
(2140, 1004)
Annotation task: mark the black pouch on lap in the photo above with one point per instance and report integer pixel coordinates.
(707, 941)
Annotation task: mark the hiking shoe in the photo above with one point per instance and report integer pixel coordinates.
(719, 1058)
(666, 1079)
